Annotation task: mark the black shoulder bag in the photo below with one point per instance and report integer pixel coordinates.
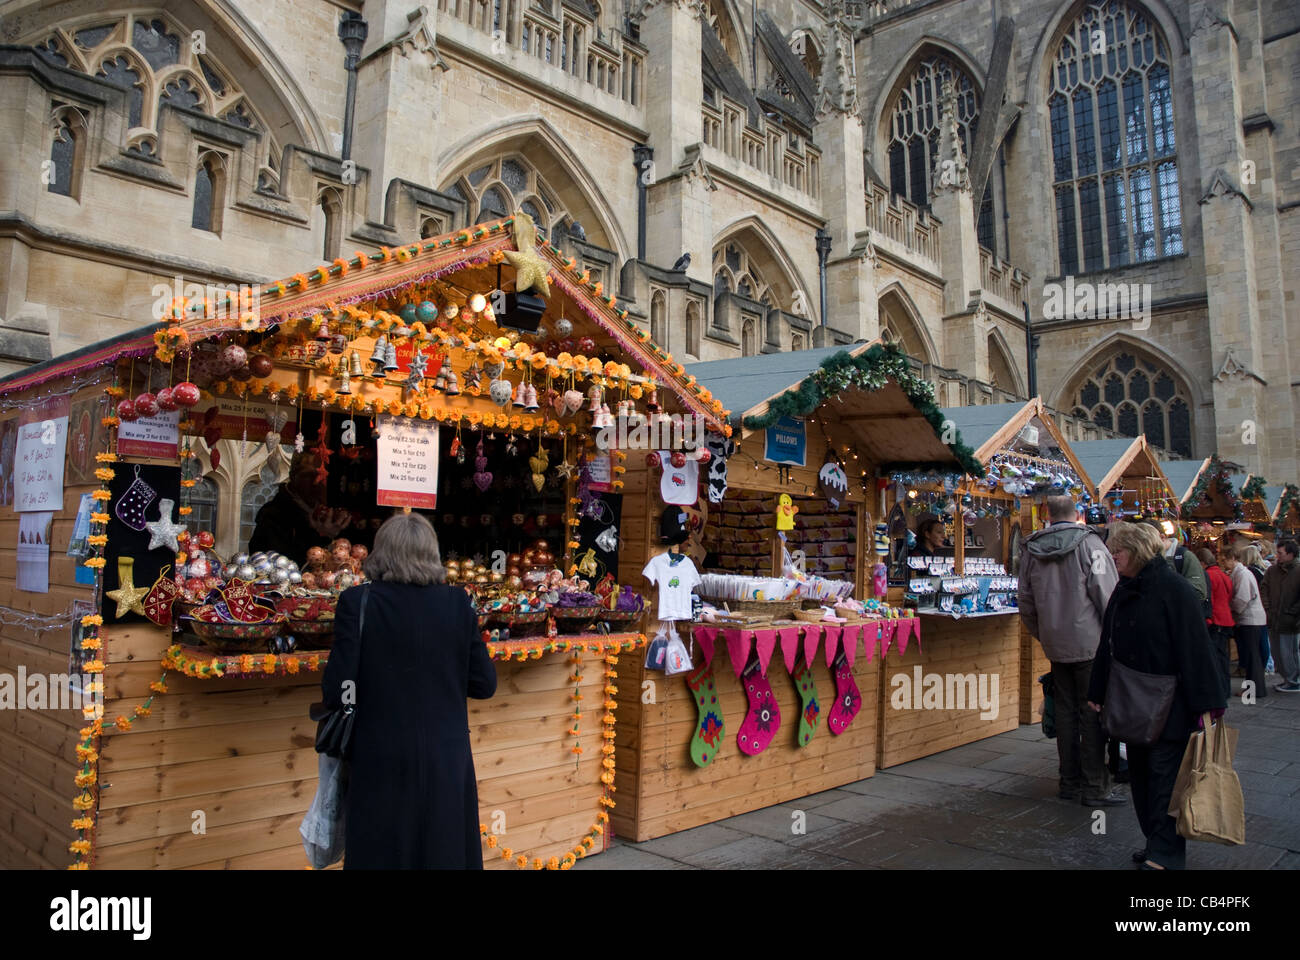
(1137, 704)
(334, 727)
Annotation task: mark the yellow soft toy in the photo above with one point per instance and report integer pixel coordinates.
(785, 512)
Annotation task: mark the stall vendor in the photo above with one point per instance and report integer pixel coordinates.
(295, 518)
(930, 539)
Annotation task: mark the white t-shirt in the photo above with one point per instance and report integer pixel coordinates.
(675, 580)
(679, 485)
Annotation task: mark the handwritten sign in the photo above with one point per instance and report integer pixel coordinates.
(38, 465)
(408, 463)
(238, 420)
(154, 436)
(600, 469)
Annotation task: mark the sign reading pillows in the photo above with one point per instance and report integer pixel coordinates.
(786, 442)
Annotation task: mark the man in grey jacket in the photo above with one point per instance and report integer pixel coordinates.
(1066, 579)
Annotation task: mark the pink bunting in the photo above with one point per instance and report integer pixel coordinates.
(850, 639)
(870, 639)
(706, 636)
(737, 648)
(789, 646)
(811, 635)
(886, 636)
(832, 642)
(765, 642)
(916, 629)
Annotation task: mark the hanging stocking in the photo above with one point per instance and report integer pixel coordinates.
(709, 730)
(131, 505)
(158, 602)
(848, 699)
(764, 716)
(809, 708)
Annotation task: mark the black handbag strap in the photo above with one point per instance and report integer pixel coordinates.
(361, 627)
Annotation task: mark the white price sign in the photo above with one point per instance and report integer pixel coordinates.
(408, 463)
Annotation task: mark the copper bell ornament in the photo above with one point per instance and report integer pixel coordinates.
(356, 364)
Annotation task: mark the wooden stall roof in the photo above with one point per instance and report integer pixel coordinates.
(990, 427)
(461, 257)
(1256, 508)
(747, 385)
(1182, 475)
(1289, 518)
(1110, 460)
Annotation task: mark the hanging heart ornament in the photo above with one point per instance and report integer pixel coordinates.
(482, 476)
(539, 462)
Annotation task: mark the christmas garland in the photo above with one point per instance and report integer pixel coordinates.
(1290, 498)
(1253, 489)
(1217, 472)
(868, 371)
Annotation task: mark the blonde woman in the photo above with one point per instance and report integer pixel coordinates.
(1248, 612)
(1252, 559)
(1153, 624)
(412, 800)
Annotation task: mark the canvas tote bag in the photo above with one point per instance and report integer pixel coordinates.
(1207, 797)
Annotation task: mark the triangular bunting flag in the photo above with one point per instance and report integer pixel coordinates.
(886, 636)
(737, 648)
(789, 646)
(849, 639)
(706, 636)
(832, 642)
(765, 643)
(811, 634)
(870, 639)
(904, 632)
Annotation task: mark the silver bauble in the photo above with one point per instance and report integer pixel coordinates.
(282, 562)
(245, 571)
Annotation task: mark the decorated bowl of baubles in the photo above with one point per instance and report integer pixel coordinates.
(467, 571)
(538, 555)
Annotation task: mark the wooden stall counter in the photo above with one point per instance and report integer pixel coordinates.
(228, 739)
(976, 660)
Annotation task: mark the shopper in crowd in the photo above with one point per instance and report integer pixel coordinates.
(1282, 607)
(1183, 561)
(930, 538)
(412, 800)
(1154, 624)
(1220, 622)
(1252, 559)
(295, 519)
(1248, 612)
(1066, 578)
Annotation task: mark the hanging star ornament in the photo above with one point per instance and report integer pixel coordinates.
(565, 470)
(163, 531)
(530, 269)
(129, 597)
(419, 363)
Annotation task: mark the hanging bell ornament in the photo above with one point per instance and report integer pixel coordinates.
(440, 381)
(452, 389)
(381, 350)
(593, 394)
(390, 358)
(355, 360)
(324, 332)
(520, 394)
(346, 388)
(530, 400)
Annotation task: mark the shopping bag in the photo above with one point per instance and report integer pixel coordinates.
(678, 659)
(1207, 797)
(323, 828)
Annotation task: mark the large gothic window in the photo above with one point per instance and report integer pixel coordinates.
(735, 272)
(1113, 145)
(497, 189)
(1131, 396)
(914, 134)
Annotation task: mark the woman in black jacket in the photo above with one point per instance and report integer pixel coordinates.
(1154, 624)
(412, 800)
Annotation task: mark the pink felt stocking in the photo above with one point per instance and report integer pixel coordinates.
(848, 699)
(764, 717)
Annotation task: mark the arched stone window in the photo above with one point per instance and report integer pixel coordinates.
(331, 222)
(914, 133)
(209, 193)
(658, 319)
(734, 271)
(693, 329)
(748, 338)
(498, 188)
(67, 153)
(898, 325)
(1132, 395)
(1114, 159)
(796, 341)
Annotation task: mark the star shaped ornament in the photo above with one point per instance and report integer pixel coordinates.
(129, 597)
(565, 470)
(164, 531)
(530, 268)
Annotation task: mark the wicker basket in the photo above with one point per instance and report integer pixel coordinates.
(766, 608)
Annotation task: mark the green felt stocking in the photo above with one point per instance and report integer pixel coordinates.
(709, 730)
(809, 708)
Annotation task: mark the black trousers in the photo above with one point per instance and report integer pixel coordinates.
(1153, 771)
(1080, 744)
(1219, 637)
(1250, 641)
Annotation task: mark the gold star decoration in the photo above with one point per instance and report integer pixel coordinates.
(565, 470)
(127, 594)
(530, 268)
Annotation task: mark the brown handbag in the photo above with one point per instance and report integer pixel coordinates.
(1137, 704)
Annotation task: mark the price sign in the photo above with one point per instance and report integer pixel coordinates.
(408, 463)
(38, 457)
(154, 437)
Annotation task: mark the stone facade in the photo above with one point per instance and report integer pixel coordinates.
(759, 135)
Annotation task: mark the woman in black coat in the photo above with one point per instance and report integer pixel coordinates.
(1154, 624)
(412, 797)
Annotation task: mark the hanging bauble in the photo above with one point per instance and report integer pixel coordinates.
(586, 345)
(146, 405)
(966, 500)
(678, 459)
(427, 312)
(185, 394)
(260, 365)
(563, 327)
(233, 356)
(242, 373)
(166, 399)
(409, 313)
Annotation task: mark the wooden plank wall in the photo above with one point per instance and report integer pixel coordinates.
(37, 747)
(989, 645)
(242, 751)
(662, 791)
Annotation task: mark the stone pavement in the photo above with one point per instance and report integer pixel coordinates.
(989, 805)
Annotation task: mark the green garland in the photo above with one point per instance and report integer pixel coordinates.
(1218, 473)
(868, 371)
(1290, 498)
(1254, 489)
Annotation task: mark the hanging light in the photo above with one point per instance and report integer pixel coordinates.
(478, 303)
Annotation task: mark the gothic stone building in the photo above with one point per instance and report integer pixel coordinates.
(748, 178)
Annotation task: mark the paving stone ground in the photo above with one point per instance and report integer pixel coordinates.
(989, 805)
